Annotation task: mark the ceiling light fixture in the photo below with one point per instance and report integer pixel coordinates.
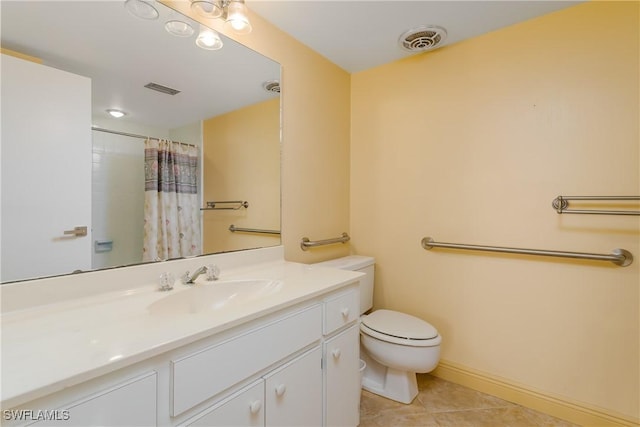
(179, 28)
(142, 9)
(208, 39)
(116, 113)
(234, 12)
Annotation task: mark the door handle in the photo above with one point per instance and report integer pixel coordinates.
(77, 231)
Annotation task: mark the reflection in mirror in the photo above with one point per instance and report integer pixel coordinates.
(84, 58)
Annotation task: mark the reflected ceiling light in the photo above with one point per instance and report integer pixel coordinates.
(142, 9)
(208, 39)
(179, 28)
(116, 113)
(234, 12)
(208, 8)
(237, 19)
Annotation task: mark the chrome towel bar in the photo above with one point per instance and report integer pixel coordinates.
(306, 243)
(619, 257)
(233, 229)
(561, 205)
(239, 203)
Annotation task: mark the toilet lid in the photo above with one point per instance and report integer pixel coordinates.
(399, 325)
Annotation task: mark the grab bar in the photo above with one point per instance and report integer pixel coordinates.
(620, 257)
(306, 243)
(233, 229)
(240, 203)
(561, 204)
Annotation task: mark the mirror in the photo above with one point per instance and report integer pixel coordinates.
(222, 107)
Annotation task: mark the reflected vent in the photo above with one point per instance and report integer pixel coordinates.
(160, 88)
(272, 86)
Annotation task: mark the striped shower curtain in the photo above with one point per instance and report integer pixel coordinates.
(171, 205)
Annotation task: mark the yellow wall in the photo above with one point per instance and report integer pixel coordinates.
(241, 148)
(470, 144)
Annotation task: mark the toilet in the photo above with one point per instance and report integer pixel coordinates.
(394, 345)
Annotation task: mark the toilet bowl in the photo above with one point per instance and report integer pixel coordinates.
(394, 345)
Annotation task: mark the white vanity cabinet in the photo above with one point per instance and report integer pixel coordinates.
(291, 366)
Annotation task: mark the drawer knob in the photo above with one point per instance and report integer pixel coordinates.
(255, 406)
(336, 353)
(280, 389)
(345, 312)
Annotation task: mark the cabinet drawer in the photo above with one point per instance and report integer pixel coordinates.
(204, 374)
(341, 310)
(243, 409)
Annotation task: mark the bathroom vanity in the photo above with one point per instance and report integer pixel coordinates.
(271, 343)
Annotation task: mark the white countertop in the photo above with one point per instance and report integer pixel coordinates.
(50, 347)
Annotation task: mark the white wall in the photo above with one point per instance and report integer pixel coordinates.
(118, 187)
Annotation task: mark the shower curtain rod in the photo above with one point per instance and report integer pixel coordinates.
(134, 135)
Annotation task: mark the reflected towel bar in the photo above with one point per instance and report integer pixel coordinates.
(561, 204)
(233, 229)
(212, 205)
(619, 257)
(306, 243)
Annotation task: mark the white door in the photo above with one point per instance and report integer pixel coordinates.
(46, 170)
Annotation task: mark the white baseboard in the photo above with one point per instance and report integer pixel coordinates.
(575, 412)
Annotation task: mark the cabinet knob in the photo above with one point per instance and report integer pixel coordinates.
(255, 406)
(345, 312)
(336, 353)
(280, 389)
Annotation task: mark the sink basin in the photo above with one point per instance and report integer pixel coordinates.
(212, 296)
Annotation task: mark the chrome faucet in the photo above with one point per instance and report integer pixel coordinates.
(213, 272)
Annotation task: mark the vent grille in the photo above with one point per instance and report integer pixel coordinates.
(160, 88)
(423, 38)
(272, 86)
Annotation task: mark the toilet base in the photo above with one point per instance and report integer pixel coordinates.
(393, 384)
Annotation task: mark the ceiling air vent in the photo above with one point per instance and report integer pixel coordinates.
(160, 88)
(422, 39)
(272, 86)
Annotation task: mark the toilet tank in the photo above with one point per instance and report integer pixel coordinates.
(363, 264)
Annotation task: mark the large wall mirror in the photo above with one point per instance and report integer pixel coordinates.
(228, 106)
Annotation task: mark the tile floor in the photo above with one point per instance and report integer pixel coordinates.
(442, 403)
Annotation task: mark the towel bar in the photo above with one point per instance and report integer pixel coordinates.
(619, 257)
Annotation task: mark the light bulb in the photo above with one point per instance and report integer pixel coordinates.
(207, 8)
(237, 18)
(116, 113)
(208, 39)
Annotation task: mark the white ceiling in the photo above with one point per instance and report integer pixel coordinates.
(360, 34)
(122, 53)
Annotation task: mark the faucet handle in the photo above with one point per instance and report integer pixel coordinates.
(213, 272)
(165, 281)
(185, 278)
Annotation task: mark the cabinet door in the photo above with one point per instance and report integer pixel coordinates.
(293, 393)
(132, 403)
(342, 379)
(244, 408)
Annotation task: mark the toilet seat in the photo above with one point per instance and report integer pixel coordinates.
(399, 328)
